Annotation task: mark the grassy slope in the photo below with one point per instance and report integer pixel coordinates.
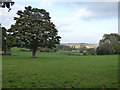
(69, 52)
(55, 70)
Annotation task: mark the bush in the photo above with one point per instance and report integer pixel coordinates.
(84, 53)
(91, 51)
(103, 51)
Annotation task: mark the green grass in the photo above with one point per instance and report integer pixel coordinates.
(53, 70)
(18, 49)
(69, 52)
(0, 70)
(65, 51)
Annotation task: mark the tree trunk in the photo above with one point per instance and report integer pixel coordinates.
(5, 52)
(34, 49)
(33, 54)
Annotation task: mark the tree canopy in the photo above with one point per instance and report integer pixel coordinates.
(110, 44)
(5, 43)
(4, 34)
(0, 37)
(33, 29)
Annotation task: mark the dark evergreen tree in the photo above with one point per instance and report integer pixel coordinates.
(5, 43)
(34, 29)
(0, 37)
(4, 34)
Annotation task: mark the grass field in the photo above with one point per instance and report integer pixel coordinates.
(53, 70)
(69, 52)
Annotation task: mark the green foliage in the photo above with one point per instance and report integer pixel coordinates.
(34, 29)
(70, 53)
(47, 49)
(0, 38)
(64, 47)
(82, 49)
(110, 44)
(4, 40)
(91, 51)
(4, 37)
(54, 70)
(14, 49)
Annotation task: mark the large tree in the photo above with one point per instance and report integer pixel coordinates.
(5, 43)
(33, 29)
(110, 44)
(0, 37)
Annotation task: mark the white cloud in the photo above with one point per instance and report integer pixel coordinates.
(91, 31)
(62, 22)
(101, 9)
(83, 13)
(7, 18)
(82, 0)
(45, 3)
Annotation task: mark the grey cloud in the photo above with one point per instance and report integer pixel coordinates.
(101, 9)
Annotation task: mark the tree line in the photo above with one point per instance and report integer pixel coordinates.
(108, 45)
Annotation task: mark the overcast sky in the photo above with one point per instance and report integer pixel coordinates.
(76, 22)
